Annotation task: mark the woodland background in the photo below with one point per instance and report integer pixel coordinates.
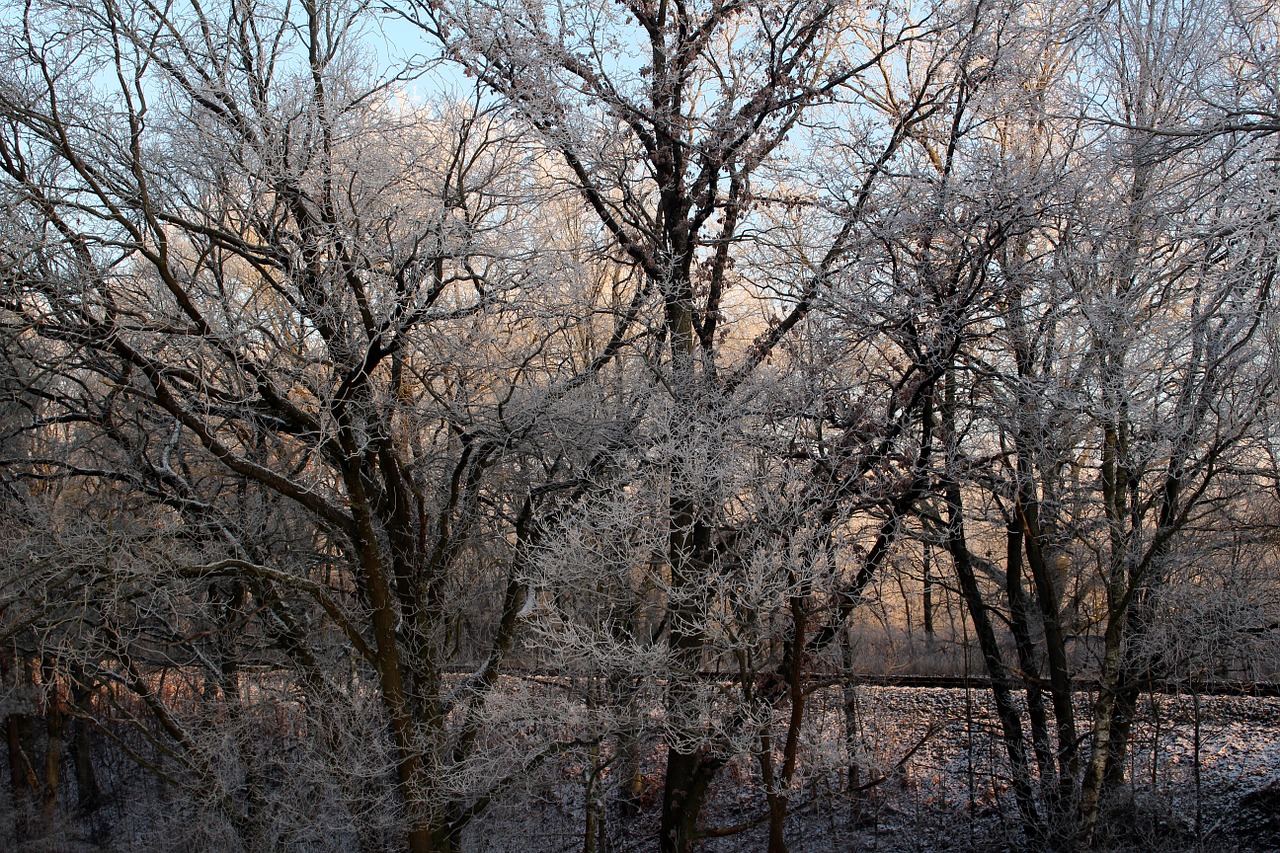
(401, 402)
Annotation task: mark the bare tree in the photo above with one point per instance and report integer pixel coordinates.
(672, 124)
(1113, 366)
(647, 360)
(267, 307)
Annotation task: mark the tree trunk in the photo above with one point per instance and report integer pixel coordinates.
(1019, 621)
(1001, 692)
(688, 776)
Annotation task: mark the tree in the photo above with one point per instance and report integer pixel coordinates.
(672, 123)
(1112, 381)
(268, 317)
(648, 359)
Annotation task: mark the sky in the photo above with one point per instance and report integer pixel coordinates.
(397, 43)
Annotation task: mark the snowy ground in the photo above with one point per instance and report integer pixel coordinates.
(1204, 774)
(951, 795)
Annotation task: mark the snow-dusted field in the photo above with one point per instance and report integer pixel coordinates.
(1218, 780)
(1203, 774)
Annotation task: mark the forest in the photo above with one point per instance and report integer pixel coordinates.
(415, 411)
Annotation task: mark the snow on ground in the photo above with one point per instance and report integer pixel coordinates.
(951, 793)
